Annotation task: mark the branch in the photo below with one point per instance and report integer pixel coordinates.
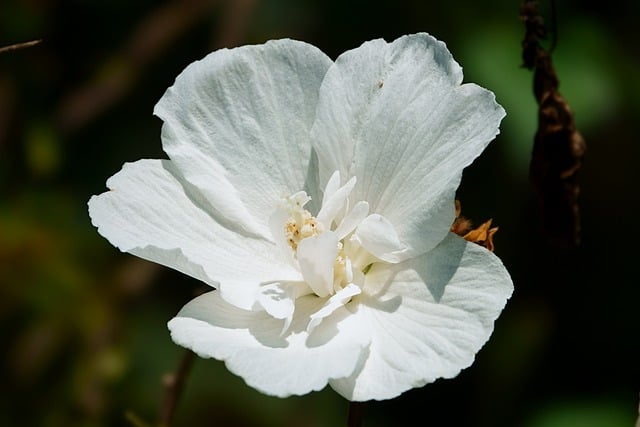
(19, 46)
(174, 384)
(117, 76)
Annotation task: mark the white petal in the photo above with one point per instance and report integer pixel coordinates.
(352, 219)
(252, 346)
(278, 299)
(332, 186)
(335, 203)
(277, 222)
(236, 124)
(428, 318)
(339, 299)
(316, 256)
(378, 236)
(149, 214)
(396, 116)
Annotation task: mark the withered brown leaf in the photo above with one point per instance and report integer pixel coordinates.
(558, 146)
(481, 235)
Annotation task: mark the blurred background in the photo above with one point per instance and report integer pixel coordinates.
(83, 327)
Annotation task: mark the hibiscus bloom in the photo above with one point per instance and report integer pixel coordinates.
(316, 198)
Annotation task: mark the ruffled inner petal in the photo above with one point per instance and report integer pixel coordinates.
(316, 256)
(278, 299)
(339, 299)
(332, 186)
(335, 203)
(378, 236)
(352, 219)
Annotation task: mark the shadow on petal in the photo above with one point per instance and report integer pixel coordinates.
(312, 183)
(268, 335)
(437, 267)
(346, 386)
(388, 305)
(215, 311)
(199, 200)
(326, 330)
(374, 300)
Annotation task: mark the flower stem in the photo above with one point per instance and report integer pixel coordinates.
(356, 411)
(174, 384)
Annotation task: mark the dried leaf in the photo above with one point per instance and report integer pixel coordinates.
(558, 146)
(481, 235)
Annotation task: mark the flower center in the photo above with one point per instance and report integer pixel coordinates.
(301, 224)
(342, 271)
(335, 248)
(325, 247)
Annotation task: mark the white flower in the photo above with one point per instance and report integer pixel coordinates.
(316, 197)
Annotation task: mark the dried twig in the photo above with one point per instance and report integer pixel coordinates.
(117, 76)
(174, 384)
(19, 46)
(558, 146)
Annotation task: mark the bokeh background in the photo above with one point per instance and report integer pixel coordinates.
(82, 326)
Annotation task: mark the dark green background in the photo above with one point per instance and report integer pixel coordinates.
(82, 326)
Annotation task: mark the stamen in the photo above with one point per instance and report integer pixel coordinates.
(301, 224)
(344, 220)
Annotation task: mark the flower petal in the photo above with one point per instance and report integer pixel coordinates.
(278, 299)
(252, 346)
(149, 213)
(277, 222)
(332, 186)
(352, 219)
(316, 256)
(236, 124)
(335, 202)
(396, 116)
(427, 318)
(379, 238)
(337, 300)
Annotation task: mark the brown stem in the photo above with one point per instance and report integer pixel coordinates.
(19, 46)
(174, 384)
(356, 412)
